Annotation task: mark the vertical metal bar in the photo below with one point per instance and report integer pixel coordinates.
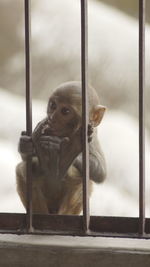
(141, 117)
(28, 110)
(85, 119)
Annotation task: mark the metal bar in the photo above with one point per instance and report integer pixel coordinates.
(85, 119)
(28, 110)
(72, 224)
(141, 117)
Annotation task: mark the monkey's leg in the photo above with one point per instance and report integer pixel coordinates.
(38, 198)
(72, 202)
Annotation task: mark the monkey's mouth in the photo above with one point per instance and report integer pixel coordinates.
(48, 129)
(52, 130)
(57, 132)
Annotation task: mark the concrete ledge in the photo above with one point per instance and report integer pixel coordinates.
(57, 251)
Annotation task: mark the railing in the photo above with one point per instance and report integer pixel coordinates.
(141, 117)
(86, 224)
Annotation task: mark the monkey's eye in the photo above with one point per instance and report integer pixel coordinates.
(65, 111)
(52, 105)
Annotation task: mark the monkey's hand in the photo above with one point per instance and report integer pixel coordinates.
(70, 149)
(47, 148)
(62, 151)
(56, 154)
(36, 136)
(90, 132)
(25, 146)
(54, 148)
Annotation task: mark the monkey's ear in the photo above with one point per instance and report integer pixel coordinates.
(97, 115)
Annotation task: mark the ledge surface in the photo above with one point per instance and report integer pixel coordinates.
(68, 251)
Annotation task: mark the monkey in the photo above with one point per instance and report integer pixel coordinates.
(55, 148)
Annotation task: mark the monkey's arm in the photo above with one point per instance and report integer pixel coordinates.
(26, 150)
(97, 163)
(69, 151)
(25, 146)
(97, 167)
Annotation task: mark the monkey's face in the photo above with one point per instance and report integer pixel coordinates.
(62, 118)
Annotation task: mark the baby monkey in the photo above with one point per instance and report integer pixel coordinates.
(56, 150)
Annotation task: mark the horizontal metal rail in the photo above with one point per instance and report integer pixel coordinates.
(72, 225)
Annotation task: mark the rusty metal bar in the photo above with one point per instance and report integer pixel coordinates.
(141, 117)
(72, 225)
(85, 119)
(28, 110)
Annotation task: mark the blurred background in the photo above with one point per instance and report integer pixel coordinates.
(113, 71)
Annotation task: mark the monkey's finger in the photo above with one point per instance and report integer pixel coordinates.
(46, 130)
(38, 129)
(25, 139)
(52, 139)
(40, 125)
(90, 132)
(49, 145)
(25, 144)
(89, 139)
(65, 140)
(25, 147)
(45, 146)
(64, 144)
(23, 133)
(90, 129)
